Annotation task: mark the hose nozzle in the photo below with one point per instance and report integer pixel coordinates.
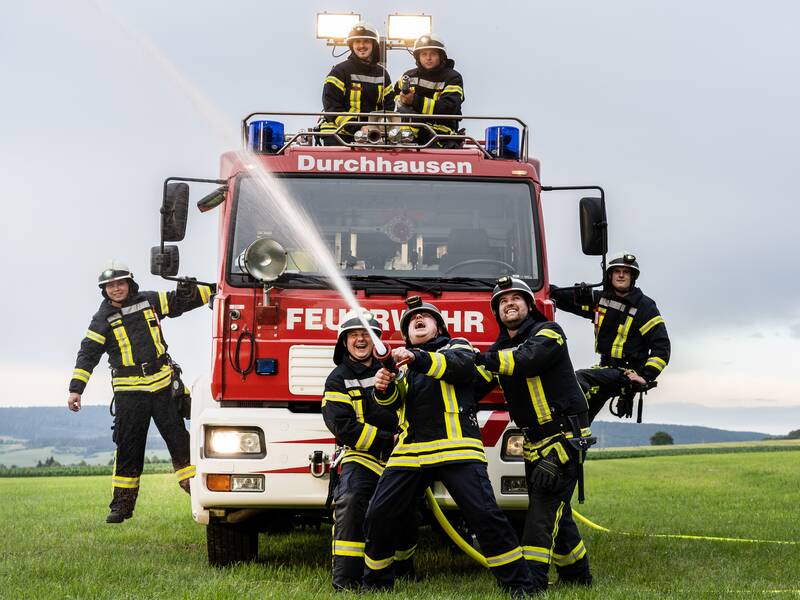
(386, 359)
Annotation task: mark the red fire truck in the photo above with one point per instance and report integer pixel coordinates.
(398, 219)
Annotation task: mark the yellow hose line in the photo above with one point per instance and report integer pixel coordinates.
(678, 536)
(452, 533)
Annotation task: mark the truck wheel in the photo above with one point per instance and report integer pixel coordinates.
(230, 543)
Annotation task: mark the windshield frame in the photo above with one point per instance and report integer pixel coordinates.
(285, 281)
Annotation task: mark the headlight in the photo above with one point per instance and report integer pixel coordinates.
(235, 442)
(512, 445)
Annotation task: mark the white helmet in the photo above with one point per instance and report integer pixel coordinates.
(114, 270)
(351, 322)
(430, 41)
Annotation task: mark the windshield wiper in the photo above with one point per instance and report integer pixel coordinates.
(319, 280)
(470, 281)
(406, 282)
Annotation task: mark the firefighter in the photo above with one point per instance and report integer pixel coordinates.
(434, 88)
(358, 84)
(531, 362)
(366, 432)
(630, 334)
(439, 441)
(127, 326)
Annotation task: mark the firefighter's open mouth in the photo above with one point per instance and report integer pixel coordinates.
(420, 324)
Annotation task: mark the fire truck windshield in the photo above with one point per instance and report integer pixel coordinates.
(431, 229)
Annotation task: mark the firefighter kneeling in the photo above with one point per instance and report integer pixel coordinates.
(531, 361)
(127, 326)
(366, 431)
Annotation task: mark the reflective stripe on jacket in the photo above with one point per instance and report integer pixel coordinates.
(436, 396)
(352, 415)
(131, 335)
(355, 86)
(629, 331)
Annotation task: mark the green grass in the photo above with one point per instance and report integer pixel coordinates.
(705, 448)
(56, 545)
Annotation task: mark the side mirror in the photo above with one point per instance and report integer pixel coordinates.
(213, 199)
(594, 238)
(164, 264)
(174, 211)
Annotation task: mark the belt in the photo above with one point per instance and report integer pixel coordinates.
(560, 424)
(142, 370)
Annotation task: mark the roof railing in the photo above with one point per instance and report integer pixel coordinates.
(384, 122)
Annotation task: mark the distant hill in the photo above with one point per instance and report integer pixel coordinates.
(611, 434)
(87, 434)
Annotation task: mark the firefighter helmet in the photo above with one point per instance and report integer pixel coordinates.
(623, 259)
(114, 270)
(429, 41)
(416, 306)
(364, 31)
(510, 284)
(351, 322)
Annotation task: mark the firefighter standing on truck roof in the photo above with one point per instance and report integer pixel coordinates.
(440, 441)
(127, 326)
(367, 432)
(434, 88)
(358, 84)
(532, 364)
(630, 334)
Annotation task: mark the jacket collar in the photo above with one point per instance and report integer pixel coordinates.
(431, 345)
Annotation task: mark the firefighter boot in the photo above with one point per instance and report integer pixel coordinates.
(122, 504)
(184, 483)
(575, 574)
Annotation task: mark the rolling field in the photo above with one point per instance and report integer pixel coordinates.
(55, 543)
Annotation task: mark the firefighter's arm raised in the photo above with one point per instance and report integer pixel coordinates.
(531, 358)
(91, 350)
(187, 296)
(455, 364)
(578, 301)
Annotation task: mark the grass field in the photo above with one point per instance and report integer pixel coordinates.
(55, 543)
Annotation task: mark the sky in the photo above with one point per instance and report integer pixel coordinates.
(685, 113)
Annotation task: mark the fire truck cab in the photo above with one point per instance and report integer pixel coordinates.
(397, 219)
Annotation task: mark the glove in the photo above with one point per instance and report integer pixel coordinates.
(480, 359)
(186, 290)
(546, 473)
(624, 407)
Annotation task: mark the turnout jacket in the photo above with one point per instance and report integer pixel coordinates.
(437, 91)
(358, 422)
(437, 401)
(538, 381)
(629, 331)
(131, 336)
(355, 86)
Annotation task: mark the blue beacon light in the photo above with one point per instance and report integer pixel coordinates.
(265, 137)
(502, 141)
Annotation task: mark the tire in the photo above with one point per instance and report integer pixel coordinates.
(231, 543)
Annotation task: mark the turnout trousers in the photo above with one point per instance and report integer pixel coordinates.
(550, 534)
(353, 492)
(598, 385)
(131, 422)
(468, 484)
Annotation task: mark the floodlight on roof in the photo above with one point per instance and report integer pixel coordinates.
(332, 26)
(408, 27)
